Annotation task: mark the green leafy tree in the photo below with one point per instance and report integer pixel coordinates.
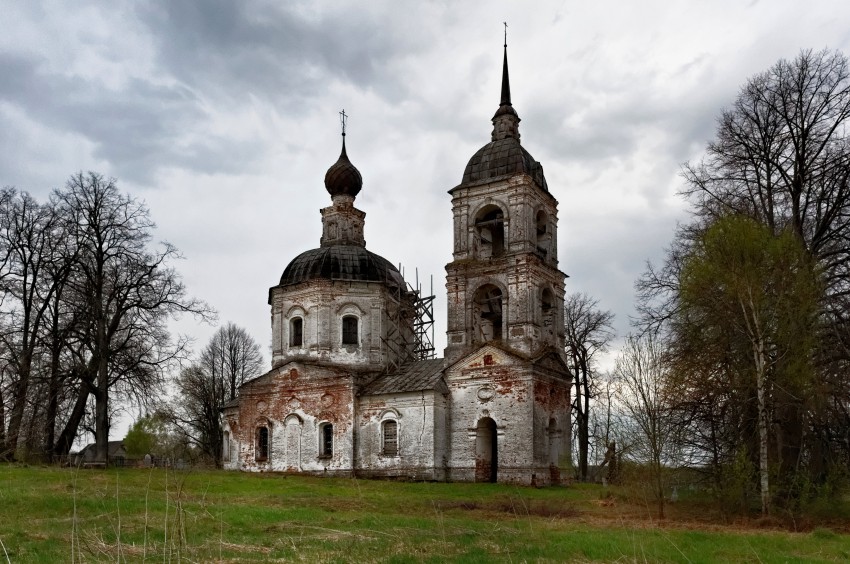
(741, 283)
(143, 436)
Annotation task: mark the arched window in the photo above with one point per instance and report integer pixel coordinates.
(349, 330)
(487, 314)
(225, 446)
(389, 434)
(296, 332)
(262, 448)
(547, 306)
(326, 440)
(542, 236)
(490, 232)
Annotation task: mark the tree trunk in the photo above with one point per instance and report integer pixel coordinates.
(69, 433)
(101, 413)
(19, 397)
(584, 421)
(2, 425)
(52, 406)
(758, 352)
(583, 441)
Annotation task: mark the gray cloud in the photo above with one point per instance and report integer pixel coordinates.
(272, 50)
(138, 127)
(222, 115)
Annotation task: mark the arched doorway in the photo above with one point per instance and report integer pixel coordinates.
(486, 451)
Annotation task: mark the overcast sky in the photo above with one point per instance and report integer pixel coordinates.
(223, 117)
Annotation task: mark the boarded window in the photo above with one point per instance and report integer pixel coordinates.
(326, 440)
(225, 446)
(390, 438)
(262, 443)
(349, 330)
(296, 332)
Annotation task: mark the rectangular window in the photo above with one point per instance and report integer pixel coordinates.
(390, 438)
(326, 448)
(296, 332)
(225, 447)
(349, 330)
(262, 443)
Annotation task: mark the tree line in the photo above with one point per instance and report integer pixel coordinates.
(86, 299)
(739, 365)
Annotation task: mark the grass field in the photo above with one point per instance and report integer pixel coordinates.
(134, 515)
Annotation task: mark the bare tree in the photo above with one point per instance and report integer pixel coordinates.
(641, 375)
(588, 332)
(233, 356)
(128, 289)
(30, 245)
(230, 358)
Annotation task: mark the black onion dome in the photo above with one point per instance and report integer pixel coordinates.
(503, 157)
(342, 263)
(343, 178)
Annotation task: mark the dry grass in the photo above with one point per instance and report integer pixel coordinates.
(49, 515)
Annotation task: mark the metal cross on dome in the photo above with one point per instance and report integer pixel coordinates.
(342, 118)
(506, 33)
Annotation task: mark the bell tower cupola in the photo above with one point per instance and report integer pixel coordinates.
(503, 284)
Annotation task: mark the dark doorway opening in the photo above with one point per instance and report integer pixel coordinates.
(486, 451)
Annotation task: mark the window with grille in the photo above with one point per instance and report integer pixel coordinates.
(262, 443)
(390, 433)
(349, 330)
(296, 332)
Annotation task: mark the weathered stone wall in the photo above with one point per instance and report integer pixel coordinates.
(294, 401)
(420, 417)
(526, 268)
(551, 425)
(491, 384)
(322, 304)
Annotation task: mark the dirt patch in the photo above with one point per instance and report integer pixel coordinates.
(517, 507)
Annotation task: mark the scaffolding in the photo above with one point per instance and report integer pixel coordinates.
(410, 325)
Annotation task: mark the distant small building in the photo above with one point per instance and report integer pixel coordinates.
(117, 454)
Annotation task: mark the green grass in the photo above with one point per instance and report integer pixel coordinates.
(60, 515)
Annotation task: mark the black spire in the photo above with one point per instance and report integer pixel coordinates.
(506, 83)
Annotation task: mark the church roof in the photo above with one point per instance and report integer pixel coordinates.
(415, 377)
(341, 263)
(503, 157)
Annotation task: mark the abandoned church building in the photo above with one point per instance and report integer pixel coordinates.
(354, 390)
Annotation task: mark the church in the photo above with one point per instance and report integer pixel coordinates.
(351, 393)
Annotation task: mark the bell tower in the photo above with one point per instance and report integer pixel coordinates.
(503, 283)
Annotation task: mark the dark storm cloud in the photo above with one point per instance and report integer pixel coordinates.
(136, 127)
(273, 51)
